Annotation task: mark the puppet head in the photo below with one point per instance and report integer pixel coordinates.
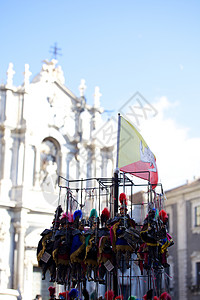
(163, 216)
(62, 295)
(52, 291)
(120, 297)
(149, 295)
(93, 216)
(73, 294)
(109, 295)
(76, 216)
(70, 217)
(93, 213)
(123, 200)
(105, 215)
(63, 220)
(165, 296)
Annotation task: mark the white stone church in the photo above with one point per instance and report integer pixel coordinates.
(45, 131)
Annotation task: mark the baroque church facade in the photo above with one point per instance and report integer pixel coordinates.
(45, 131)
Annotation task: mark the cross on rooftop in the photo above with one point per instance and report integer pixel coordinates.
(55, 51)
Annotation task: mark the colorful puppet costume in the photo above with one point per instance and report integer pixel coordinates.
(92, 246)
(119, 244)
(77, 252)
(105, 252)
(44, 254)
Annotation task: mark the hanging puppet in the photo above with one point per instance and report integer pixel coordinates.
(166, 240)
(91, 242)
(52, 291)
(148, 234)
(77, 252)
(105, 252)
(119, 243)
(45, 247)
(61, 251)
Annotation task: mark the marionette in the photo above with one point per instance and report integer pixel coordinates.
(166, 241)
(61, 251)
(105, 252)
(119, 243)
(142, 255)
(148, 234)
(52, 291)
(77, 252)
(91, 242)
(45, 248)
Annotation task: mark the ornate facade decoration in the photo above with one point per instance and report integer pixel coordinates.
(45, 131)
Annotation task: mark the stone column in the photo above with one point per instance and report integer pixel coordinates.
(70, 157)
(29, 157)
(20, 175)
(37, 167)
(30, 261)
(63, 169)
(6, 181)
(20, 229)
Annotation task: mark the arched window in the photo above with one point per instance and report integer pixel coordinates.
(49, 159)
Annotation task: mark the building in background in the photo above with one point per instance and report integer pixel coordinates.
(183, 208)
(45, 131)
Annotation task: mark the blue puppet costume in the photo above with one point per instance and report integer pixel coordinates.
(77, 252)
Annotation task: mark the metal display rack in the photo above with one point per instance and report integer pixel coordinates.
(99, 193)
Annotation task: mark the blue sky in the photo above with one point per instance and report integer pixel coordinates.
(122, 46)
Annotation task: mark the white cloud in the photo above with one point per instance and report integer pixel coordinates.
(178, 155)
(181, 67)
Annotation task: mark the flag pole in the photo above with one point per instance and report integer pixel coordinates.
(118, 138)
(116, 195)
(116, 171)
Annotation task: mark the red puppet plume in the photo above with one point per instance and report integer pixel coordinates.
(70, 217)
(64, 294)
(155, 298)
(163, 215)
(109, 295)
(105, 212)
(120, 297)
(123, 199)
(165, 296)
(52, 290)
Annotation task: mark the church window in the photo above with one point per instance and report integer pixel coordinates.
(198, 273)
(49, 159)
(197, 216)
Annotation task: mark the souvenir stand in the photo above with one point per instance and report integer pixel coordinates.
(105, 242)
